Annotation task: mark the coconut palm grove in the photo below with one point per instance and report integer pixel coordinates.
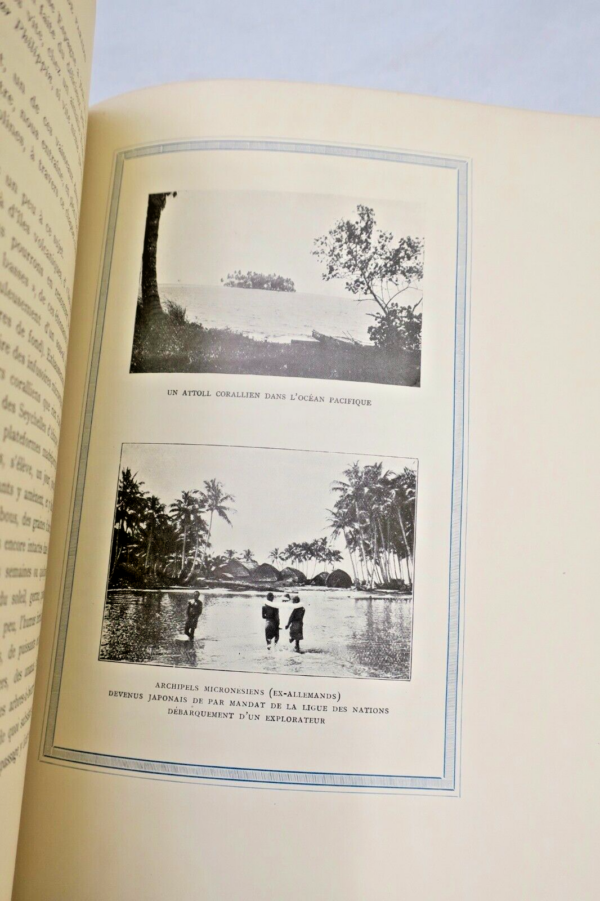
(367, 540)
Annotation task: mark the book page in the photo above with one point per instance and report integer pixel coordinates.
(307, 320)
(45, 60)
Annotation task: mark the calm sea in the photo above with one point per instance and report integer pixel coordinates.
(272, 315)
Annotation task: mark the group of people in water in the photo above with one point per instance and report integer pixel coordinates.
(270, 613)
(295, 623)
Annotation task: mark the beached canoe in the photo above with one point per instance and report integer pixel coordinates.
(337, 342)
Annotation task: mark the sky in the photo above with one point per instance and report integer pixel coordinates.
(205, 235)
(280, 495)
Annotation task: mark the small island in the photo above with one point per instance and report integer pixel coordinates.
(379, 277)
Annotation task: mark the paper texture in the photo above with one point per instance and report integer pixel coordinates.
(45, 61)
(259, 151)
(249, 432)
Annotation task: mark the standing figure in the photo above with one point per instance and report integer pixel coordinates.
(270, 613)
(295, 623)
(194, 610)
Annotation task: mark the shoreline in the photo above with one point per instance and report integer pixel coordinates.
(246, 589)
(187, 346)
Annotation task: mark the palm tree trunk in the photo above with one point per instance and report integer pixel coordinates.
(406, 545)
(151, 308)
(196, 552)
(350, 555)
(148, 552)
(183, 552)
(384, 560)
(116, 560)
(362, 540)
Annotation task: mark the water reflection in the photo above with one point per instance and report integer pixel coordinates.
(347, 633)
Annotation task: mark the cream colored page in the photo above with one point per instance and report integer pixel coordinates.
(276, 445)
(45, 62)
(516, 818)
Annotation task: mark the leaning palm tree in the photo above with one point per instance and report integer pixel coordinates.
(200, 538)
(354, 498)
(276, 555)
(340, 524)
(184, 511)
(403, 488)
(215, 500)
(375, 512)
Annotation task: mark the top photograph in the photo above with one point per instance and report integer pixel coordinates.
(281, 284)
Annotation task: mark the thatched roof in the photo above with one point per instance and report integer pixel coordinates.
(233, 569)
(320, 579)
(293, 576)
(264, 573)
(338, 579)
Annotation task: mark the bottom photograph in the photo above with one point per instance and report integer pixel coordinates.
(262, 560)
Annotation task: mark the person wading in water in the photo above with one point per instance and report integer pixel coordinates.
(270, 613)
(194, 610)
(295, 623)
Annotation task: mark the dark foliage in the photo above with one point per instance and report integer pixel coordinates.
(376, 267)
(398, 329)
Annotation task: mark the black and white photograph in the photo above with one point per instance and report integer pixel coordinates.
(281, 284)
(262, 560)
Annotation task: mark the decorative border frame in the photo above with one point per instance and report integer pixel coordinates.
(448, 782)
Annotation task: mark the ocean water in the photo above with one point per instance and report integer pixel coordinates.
(272, 315)
(346, 633)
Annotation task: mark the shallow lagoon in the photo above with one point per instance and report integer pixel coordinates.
(346, 633)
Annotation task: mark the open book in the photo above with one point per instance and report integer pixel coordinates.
(310, 609)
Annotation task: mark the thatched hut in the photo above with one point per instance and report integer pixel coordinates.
(338, 579)
(232, 570)
(320, 579)
(292, 576)
(264, 573)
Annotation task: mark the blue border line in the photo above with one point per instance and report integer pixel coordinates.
(446, 783)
